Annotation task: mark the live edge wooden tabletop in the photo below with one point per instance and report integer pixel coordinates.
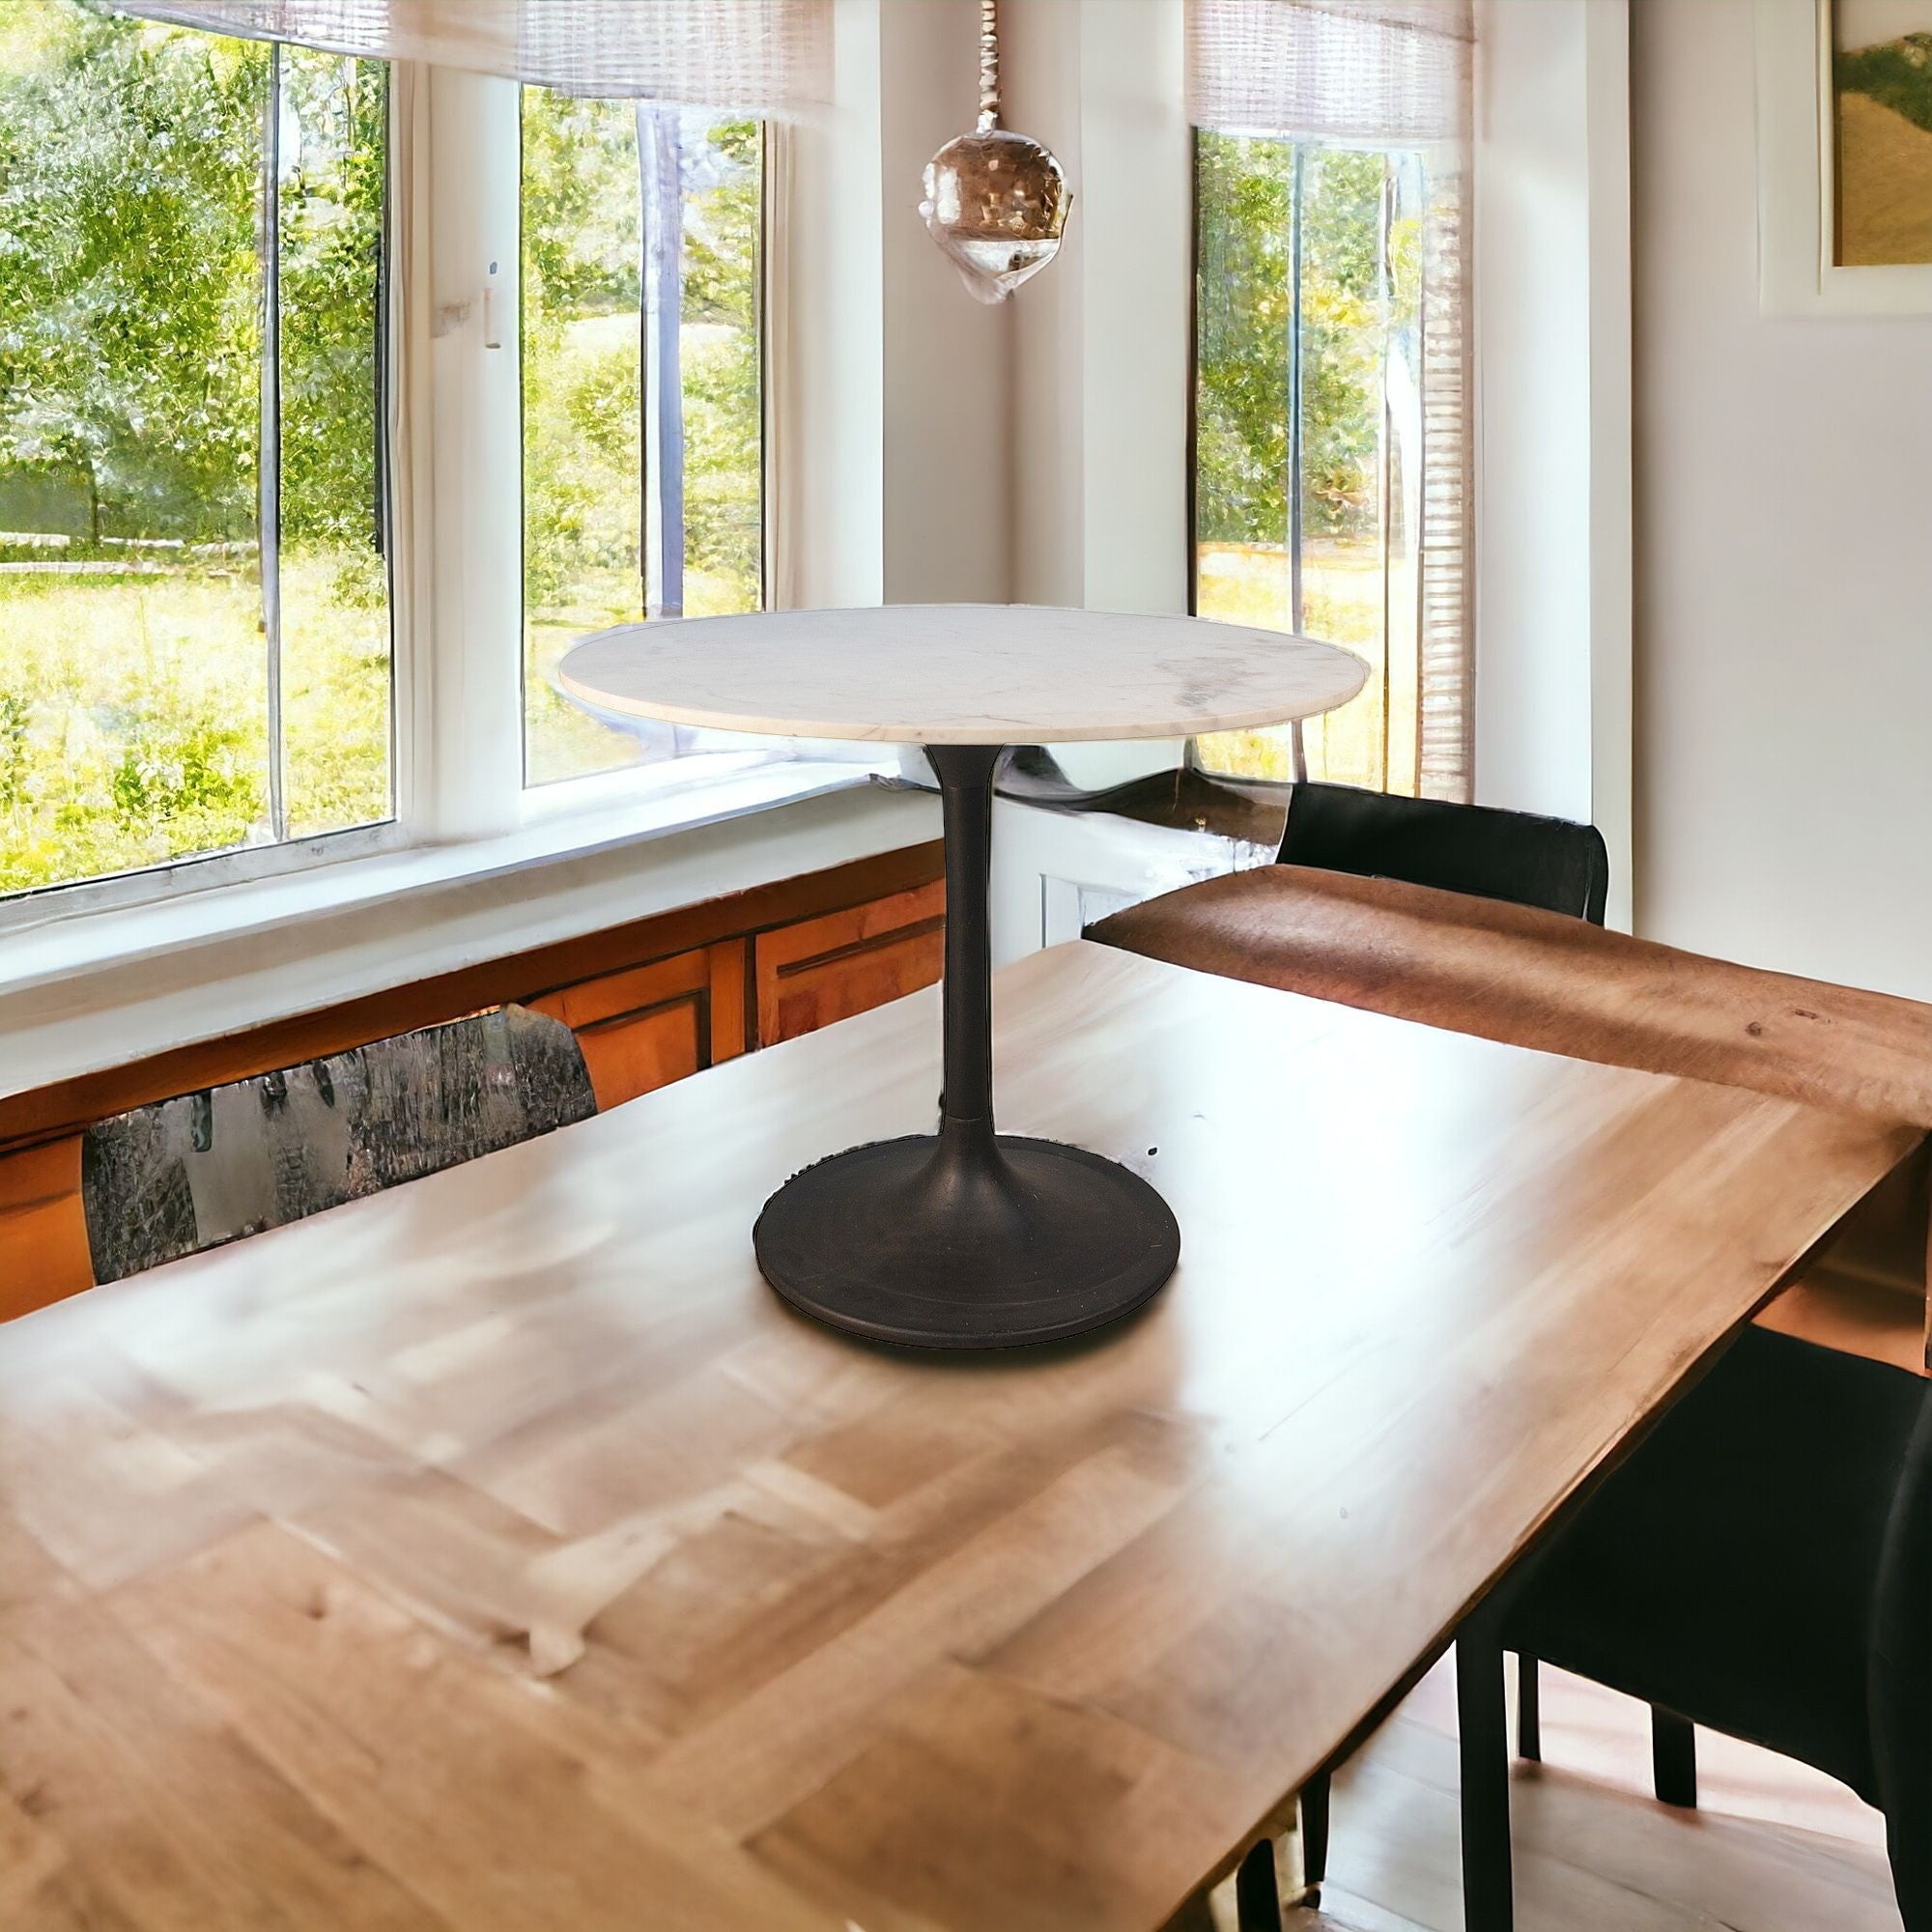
(500, 1553)
(1535, 978)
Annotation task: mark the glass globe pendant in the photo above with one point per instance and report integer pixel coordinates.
(997, 202)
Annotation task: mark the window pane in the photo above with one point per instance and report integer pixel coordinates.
(628, 436)
(1342, 332)
(333, 156)
(723, 415)
(133, 686)
(582, 450)
(137, 655)
(1307, 452)
(1244, 358)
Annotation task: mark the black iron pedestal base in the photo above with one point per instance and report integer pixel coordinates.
(969, 1240)
(966, 1242)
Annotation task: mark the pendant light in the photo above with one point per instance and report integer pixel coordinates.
(995, 201)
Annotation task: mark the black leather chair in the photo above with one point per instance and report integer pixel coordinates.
(1760, 1565)
(1489, 853)
(1480, 849)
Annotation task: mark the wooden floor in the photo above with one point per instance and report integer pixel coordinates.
(1775, 1847)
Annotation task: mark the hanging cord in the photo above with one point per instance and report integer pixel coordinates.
(989, 65)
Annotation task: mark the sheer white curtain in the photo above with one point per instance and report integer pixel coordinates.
(771, 58)
(1390, 71)
(1396, 74)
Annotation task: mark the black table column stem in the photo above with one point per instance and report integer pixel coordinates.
(966, 793)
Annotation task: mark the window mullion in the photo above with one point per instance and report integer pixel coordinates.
(660, 182)
(1298, 745)
(459, 459)
(268, 458)
(1385, 432)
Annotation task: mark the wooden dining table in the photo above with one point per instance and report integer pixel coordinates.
(502, 1552)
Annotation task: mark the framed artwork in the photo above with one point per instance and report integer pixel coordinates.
(1844, 157)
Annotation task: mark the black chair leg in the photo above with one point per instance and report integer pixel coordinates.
(1256, 1899)
(1528, 1711)
(1482, 1721)
(1673, 1758)
(1315, 1835)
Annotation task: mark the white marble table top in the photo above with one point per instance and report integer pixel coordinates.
(961, 674)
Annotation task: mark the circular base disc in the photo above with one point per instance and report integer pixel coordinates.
(985, 1246)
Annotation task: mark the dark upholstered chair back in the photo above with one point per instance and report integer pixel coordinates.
(1479, 849)
(1761, 1564)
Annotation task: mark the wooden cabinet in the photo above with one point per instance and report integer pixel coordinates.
(814, 971)
(43, 1229)
(650, 1002)
(648, 1026)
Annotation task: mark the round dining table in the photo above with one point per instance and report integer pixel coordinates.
(965, 1239)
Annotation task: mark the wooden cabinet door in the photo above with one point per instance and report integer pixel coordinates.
(648, 1026)
(640, 1052)
(43, 1251)
(825, 969)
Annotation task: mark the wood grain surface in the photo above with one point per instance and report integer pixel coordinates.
(44, 1251)
(1593, 1850)
(817, 971)
(499, 1552)
(1536, 979)
(652, 1001)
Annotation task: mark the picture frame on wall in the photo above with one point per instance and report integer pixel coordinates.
(1844, 129)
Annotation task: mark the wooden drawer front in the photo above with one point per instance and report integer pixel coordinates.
(830, 968)
(643, 1051)
(44, 1251)
(648, 1026)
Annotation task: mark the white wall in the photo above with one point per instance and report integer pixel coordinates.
(1785, 562)
(1099, 422)
(895, 470)
(1099, 426)
(1101, 335)
(1041, 43)
(828, 338)
(948, 375)
(1552, 333)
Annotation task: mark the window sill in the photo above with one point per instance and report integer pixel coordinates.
(99, 989)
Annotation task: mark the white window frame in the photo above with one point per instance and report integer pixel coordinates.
(456, 545)
(201, 872)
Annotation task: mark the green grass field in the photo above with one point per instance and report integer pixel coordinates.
(133, 707)
(133, 713)
(1341, 602)
(560, 742)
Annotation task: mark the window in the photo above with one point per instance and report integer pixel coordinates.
(194, 626)
(1332, 475)
(1312, 367)
(642, 411)
(268, 432)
